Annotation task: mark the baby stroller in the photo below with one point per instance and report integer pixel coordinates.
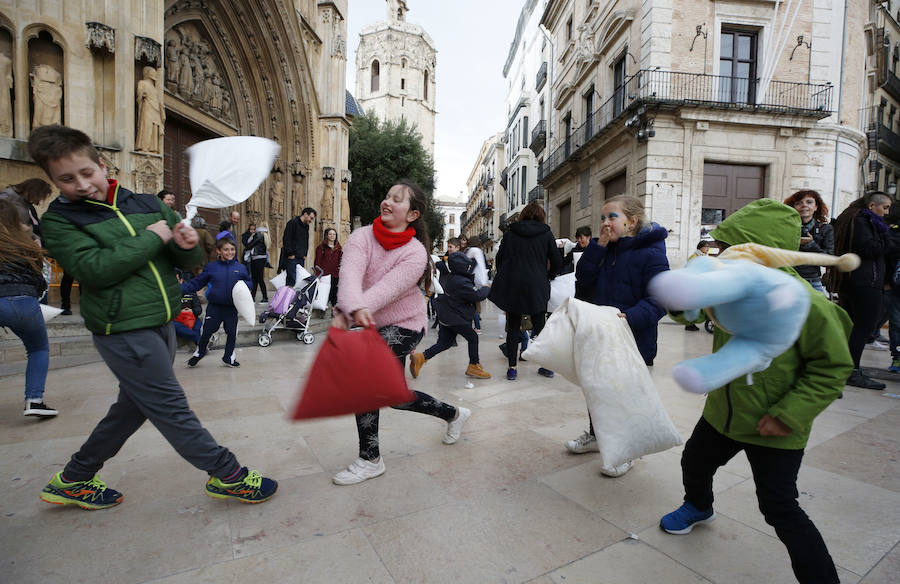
(290, 309)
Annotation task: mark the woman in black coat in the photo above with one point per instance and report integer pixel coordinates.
(525, 263)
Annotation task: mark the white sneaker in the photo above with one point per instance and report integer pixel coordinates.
(359, 470)
(877, 346)
(616, 471)
(454, 427)
(37, 407)
(584, 443)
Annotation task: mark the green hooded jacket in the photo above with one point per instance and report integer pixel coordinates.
(126, 273)
(805, 379)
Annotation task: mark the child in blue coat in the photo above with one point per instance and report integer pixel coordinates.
(219, 277)
(455, 311)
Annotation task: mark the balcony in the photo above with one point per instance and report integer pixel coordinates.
(536, 194)
(503, 178)
(538, 137)
(541, 78)
(892, 85)
(675, 90)
(880, 136)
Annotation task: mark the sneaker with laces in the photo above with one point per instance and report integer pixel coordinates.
(511, 374)
(39, 408)
(416, 360)
(477, 371)
(192, 362)
(587, 442)
(618, 470)
(454, 427)
(359, 470)
(251, 488)
(92, 494)
(545, 373)
(895, 366)
(683, 519)
(231, 363)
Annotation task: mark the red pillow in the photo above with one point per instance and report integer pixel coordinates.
(354, 372)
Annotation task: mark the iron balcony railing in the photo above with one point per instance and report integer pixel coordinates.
(536, 194)
(503, 176)
(538, 137)
(673, 89)
(892, 85)
(881, 137)
(541, 77)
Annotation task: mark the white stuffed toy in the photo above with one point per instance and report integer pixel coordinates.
(763, 308)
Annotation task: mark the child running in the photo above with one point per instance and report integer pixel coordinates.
(219, 277)
(381, 270)
(455, 311)
(123, 248)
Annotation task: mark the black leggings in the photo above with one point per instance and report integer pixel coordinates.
(401, 341)
(514, 334)
(256, 274)
(864, 307)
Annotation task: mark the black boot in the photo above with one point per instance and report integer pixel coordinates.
(857, 379)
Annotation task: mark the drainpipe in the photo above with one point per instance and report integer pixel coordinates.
(840, 99)
(550, 67)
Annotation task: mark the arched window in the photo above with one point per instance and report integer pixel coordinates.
(426, 85)
(403, 63)
(376, 74)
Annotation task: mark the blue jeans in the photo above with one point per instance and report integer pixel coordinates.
(817, 285)
(22, 315)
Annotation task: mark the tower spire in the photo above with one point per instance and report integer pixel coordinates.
(397, 10)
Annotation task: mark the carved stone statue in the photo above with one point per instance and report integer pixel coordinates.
(326, 206)
(171, 64)
(46, 86)
(185, 74)
(150, 114)
(276, 198)
(6, 83)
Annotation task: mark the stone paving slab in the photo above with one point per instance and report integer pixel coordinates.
(506, 504)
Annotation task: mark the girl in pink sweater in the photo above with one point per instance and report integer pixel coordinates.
(381, 270)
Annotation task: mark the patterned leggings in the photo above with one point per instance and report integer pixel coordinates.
(402, 341)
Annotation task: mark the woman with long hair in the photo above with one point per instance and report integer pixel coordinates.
(816, 234)
(21, 284)
(526, 261)
(328, 258)
(257, 245)
(861, 229)
(614, 271)
(33, 192)
(382, 269)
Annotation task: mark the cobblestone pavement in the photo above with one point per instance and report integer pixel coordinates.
(507, 503)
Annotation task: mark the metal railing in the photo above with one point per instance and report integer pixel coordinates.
(673, 89)
(538, 137)
(541, 77)
(536, 194)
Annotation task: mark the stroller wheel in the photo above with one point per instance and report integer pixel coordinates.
(307, 338)
(709, 326)
(264, 340)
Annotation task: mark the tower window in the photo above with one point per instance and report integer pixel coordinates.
(426, 85)
(376, 74)
(403, 84)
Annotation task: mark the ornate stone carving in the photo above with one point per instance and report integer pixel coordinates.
(345, 201)
(298, 199)
(328, 173)
(147, 50)
(340, 47)
(326, 205)
(46, 86)
(110, 160)
(151, 117)
(194, 73)
(276, 197)
(346, 175)
(147, 174)
(6, 84)
(100, 37)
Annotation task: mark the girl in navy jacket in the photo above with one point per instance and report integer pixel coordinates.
(614, 271)
(219, 277)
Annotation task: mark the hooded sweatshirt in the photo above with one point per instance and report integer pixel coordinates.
(805, 379)
(456, 306)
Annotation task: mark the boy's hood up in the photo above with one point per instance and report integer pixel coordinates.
(764, 221)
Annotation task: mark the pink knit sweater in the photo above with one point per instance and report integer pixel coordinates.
(383, 281)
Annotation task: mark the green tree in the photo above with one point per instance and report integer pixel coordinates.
(381, 153)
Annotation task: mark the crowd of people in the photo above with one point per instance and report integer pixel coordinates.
(380, 278)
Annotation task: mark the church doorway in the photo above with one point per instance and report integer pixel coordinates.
(180, 135)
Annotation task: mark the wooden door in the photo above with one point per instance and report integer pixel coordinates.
(180, 135)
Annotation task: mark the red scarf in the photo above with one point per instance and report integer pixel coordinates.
(391, 239)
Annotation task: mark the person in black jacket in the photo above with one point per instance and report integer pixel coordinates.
(455, 311)
(860, 229)
(816, 234)
(295, 242)
(525, 263)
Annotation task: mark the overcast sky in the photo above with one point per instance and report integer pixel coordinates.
(472, 38)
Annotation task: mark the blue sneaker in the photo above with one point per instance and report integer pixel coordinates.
(545, 373)
(511, 374)
(683, 519)
(92, 494)
(251, 488)
(895, 366)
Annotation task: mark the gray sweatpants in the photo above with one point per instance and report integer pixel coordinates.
(142, 362)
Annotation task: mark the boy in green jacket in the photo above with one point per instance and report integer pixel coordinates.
(770, 420)
(123, 248)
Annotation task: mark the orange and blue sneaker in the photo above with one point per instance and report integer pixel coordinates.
(250, 487)
(92, 494)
